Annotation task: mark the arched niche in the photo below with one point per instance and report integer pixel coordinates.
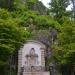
(38, 54)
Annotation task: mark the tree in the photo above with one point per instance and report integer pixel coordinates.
(58, 8)
(12, 36)
(7, 4)
(64, 51)
(73, 3)
(36, 5)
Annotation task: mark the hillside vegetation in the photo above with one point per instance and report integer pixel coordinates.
(21, 20)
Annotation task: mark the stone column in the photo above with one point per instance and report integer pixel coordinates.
(19, 61)
(43, 56)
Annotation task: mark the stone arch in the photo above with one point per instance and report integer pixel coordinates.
(40, 49)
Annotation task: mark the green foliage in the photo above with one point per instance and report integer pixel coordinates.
(45, 22)
(12, 36)
(36, 5)
(30, 3)
(4, 14)
(65, 49)
(28, 18)
(58, 8)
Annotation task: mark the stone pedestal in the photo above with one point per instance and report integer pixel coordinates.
(36, 73)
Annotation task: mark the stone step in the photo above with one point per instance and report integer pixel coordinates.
(36, 73)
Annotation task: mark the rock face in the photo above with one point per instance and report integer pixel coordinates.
(31, 59)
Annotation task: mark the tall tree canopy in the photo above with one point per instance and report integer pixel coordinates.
(64, 50)
(7, 4)
(58, 8)
(12, 37)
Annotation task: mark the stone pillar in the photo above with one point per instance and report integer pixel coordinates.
(43, 56)
(19, 61)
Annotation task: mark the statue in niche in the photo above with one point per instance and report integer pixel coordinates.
(32, 58)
